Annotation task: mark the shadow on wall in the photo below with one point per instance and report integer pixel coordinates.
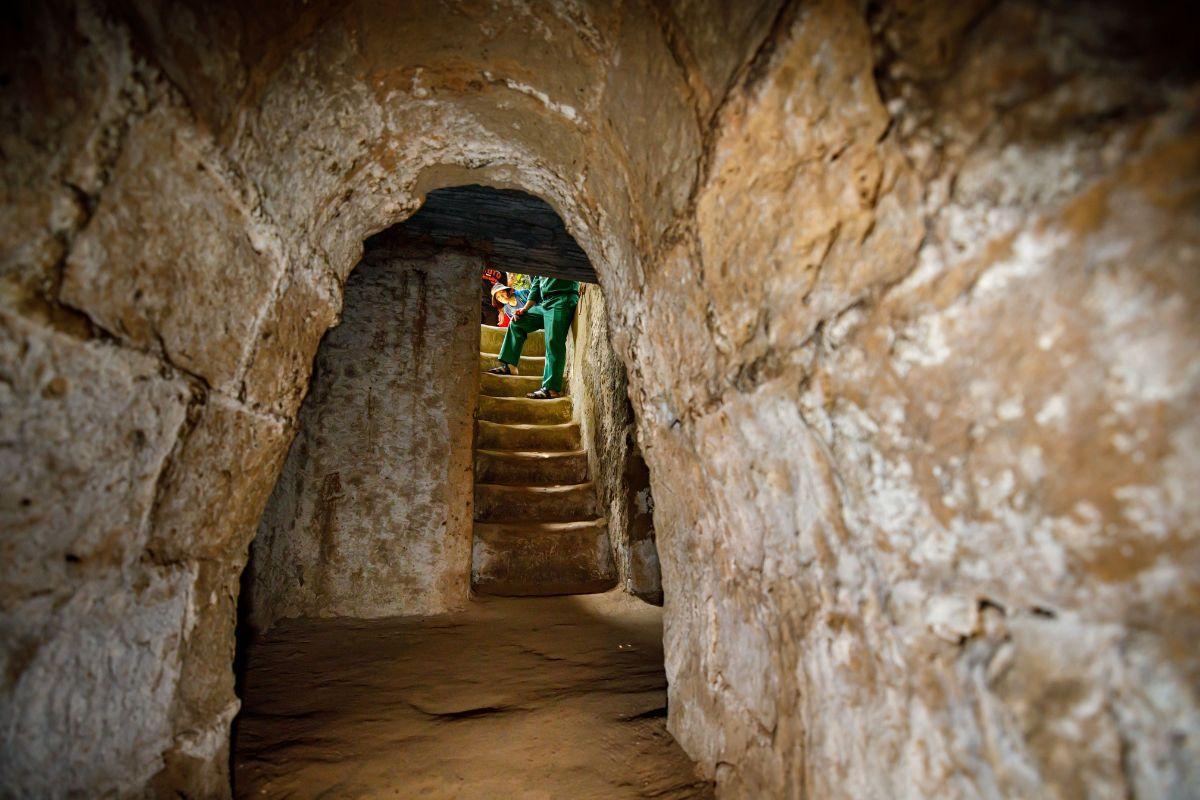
(602, 407)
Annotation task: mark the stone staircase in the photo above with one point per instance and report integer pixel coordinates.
(538, 529)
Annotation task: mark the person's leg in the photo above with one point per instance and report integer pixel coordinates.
(558, 323)
(518, 331)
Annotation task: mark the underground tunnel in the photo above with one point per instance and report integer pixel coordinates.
(883, 381)
(421, 485)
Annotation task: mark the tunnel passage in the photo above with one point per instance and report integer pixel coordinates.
(416, 475)
(382, 505)
(904, 293)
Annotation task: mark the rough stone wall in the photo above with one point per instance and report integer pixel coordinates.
(922, 428)
(185, 190)
(906, 298)
(615, 463)
(133, 469)
(372, 513)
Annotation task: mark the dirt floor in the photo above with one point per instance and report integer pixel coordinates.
(560, 697)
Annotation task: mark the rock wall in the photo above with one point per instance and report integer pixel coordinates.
(134, 470)
(906, 296)
(371, 516)
(918, 397)
(601, 405)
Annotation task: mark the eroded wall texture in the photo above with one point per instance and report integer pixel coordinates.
(906, 296)
(371, 516)
(600, 402)
(922, 429)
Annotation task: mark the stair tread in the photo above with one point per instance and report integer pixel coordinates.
(491, 338)
(526, 377)
(529, 425)
(540, 526)
(486, 354)
(533, 380)
(497, 328)
(544, 588)
(544, 489)
(529, 401)
(531, 467)
(527, 436)
(530, 454)
(524, 410)
(538, 490)
(529, 366)
(506, 502)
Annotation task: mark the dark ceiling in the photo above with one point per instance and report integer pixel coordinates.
(517, 232)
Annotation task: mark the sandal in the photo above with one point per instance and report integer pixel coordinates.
(503, 369)
(543, 394)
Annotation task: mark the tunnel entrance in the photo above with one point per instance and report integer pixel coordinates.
(424, 485)
(411, 461)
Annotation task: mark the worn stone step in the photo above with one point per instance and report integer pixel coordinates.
(496, 502)
(525, 559)
(530, 365)
(491, 338)
(508, 385)
(520, 409)
(515, 436)
(531, 467)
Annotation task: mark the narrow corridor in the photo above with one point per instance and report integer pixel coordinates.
(515, 697)
(883, 378)
(554, 697)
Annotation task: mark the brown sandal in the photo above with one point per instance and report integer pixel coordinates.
(503, 369)
(543, 394)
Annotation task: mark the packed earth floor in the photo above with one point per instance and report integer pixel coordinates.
(557, 697)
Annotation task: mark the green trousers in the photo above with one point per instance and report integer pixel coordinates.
(556, 321)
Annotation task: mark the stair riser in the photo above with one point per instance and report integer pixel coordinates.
(492, 339)
(516, 504)
(528, 366)
(499, 386)
(547, 437)
(575, 562)
(521, 410)
(572, 468)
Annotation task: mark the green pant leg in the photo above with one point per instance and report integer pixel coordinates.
(558, 323)
(514, 336)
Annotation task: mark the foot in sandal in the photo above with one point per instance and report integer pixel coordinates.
(543, 394)
(503, 369)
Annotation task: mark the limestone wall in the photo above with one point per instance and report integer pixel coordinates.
(906, 297)
(601, 405)
(372, 512)
(134, 469)
(918, 396)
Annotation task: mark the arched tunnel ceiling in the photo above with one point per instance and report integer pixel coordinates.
(517, 231)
